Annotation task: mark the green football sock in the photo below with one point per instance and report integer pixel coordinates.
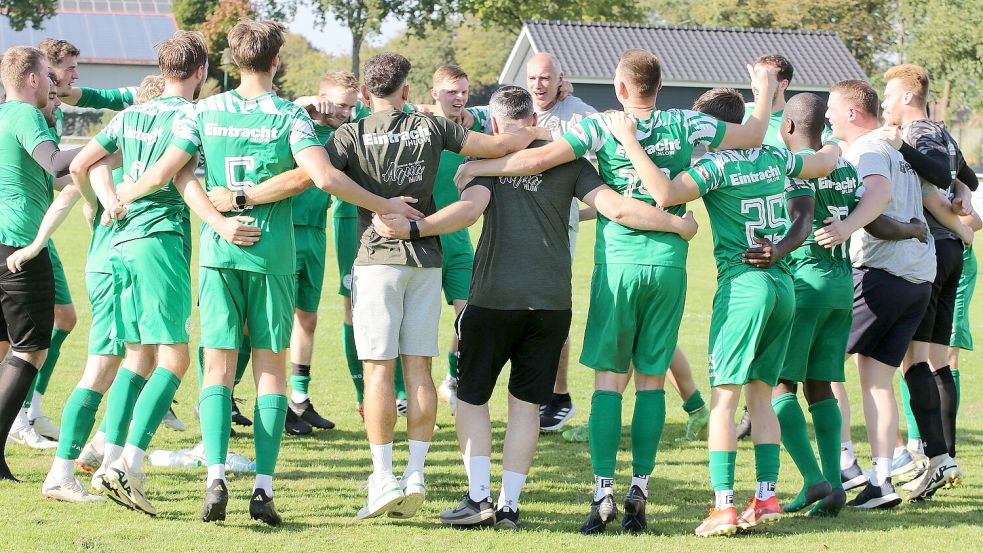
(152, 406)
(40, 384)
(955, 378)
(722, 466)
(913, 433)
(452, 359)
(351, 356)
(604, 431)
(76, 422)
(795, 438)
(767, 460)
(827, 421)
(400, 384)
(123, 396)
(269, 415)
(215, 410)
(647, 423)
(694, 403)
(300, 378)
(245, 351)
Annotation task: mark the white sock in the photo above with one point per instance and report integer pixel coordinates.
(110, 453)
(881, 472)
(642, 481)
(215, 472)
(603, 486)
(133, 457)
(766, 490)
(915, 445)
(382, 458)
(418, 455)
(62, 469)
(724, 499)
(512, 483)
(847, 457)
(34, 411)
(898, 451)
(479, 477)
(298, 397)
(264, 482)
(21, 421)
(98, 443)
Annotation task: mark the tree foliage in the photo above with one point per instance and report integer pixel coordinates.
(216, 28)
(189, 14)
(22, 12)
(511, 14)
(302, 66)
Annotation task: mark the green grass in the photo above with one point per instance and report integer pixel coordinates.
(318, 476)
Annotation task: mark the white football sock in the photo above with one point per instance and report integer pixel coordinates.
(512, 483)
(133, 457)
(298, 397)
(847, 456)
(603, 486)
(264, 482)
(98, 443)
(62, 469)
(215, 472)
(723, 499)
(34, 411)
(418, 456)
(916, 445)
(766, 490)
(382, 458)
(479, 477)
(110, 453)
(642, 482)
(881, 472)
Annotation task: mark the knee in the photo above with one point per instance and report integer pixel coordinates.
(65, 317)
(785, 387)
(816, 391)
(307, 321)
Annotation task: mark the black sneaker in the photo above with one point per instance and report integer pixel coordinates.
(216, 499)
(305, 410)
(470, 513)
(602, 512)
(744, 427)
(233, 433)
(556, 414)
(876, 497)
(261, 508)
(830, 506)
(634, 520)
(237, 416)
(507, 519)
(853, 477)
(295, 425)
(808, 496)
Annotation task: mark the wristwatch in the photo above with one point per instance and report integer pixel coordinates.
(239, 198)
(414, 231)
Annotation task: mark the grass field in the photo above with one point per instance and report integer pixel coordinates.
(318, 476)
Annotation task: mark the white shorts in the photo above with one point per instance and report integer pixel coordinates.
(395, 311)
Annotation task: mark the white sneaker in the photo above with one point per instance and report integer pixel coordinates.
(130, 485)
(70, 490)
(89, 460)
(942, 472)
(98, 482)
(43, 426)
(448, 392)
(171, 421)
(414, 492)
(28, 436)
(384, 492)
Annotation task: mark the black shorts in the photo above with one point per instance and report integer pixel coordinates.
(886, 312)
(27, 302)
(936, 325)
(530, 339)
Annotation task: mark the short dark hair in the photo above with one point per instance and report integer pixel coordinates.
(642, 70)
(181, 55)
(785, 69)
(254, 44)
(726, 104)
(859, 93)
(512, 103)
(808, 112)
(385, 73)
(56, 50)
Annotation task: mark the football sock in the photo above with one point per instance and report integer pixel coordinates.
(604, 431)
(382, 458)
(847, 457)
(152, 406)
(915, 445)
(133, 457)
(242, 359)
(647, 423)
(909, 417)
(215, 409)
(881, 472)
(417, 457)
(642, 481)
(62, 469)
(123, 395)
(40, 384)
(827, 421)
(15, 380)
(264, 482)
(452, 359)
(926, 407)
(398, 380)
(269, 416)
(723, 499)
(479, 477)
(947, 397)
(694, 403)
(76, 422)
(300, 381)
(722, 466)
(795, 437)
(955, 379)
(603, 486)
(215, 472)
(351, 357)
(766, 490)
(512, 483)
(767, 460)
(111, 453)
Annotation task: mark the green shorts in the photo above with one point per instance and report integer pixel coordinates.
(634, 317)
(102, 333)
(750, 327)
(345, 247)
(63, 295)
(817, 345)
(186, 238)
(961, 336)
(152, 285)
(311, 243)
(458, 265)
(230, 299)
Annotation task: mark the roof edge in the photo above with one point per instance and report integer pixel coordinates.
(760, 30)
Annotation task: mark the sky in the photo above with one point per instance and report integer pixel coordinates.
(335, 38)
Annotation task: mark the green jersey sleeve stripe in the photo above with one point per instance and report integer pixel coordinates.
(106, 142)
(718, 136)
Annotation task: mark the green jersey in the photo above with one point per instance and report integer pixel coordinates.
(245, 142)
(773, 136)
(143, 132)
(744, 192)
(669, 138)
(25, 188)
(116, 99)
(311, 205)
(444, 191)
(824, 276)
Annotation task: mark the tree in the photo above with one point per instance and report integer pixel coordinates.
(22, 12)
(511, 14)
(216, 28)
(301, 66)
(189, 14)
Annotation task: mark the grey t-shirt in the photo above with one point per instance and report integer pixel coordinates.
(564, 115)
(931, 136)
(392, 153)
(908, 259)
(523, 260)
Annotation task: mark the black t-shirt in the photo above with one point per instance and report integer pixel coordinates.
(931, 137)
(523, 256)
(391, 153)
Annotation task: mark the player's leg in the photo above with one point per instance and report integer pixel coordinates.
(949, 254)
(447, 391)
(698, 414)
(456, 272)
(346, 245)
(962, 337)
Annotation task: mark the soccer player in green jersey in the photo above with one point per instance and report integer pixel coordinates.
(248, 135)
(749, 330)
(639, 284)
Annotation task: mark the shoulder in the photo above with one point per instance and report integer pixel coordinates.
(573, 104)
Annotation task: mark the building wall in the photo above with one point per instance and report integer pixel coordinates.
(601, 96)
(100, 75)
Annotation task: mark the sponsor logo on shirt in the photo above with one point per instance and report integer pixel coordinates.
(530, 183)
(904, 166)
(137, 134)
(769, 174)
(255, 134)
(846, 185)
(414, 137)
(664, 147)
(405, 174)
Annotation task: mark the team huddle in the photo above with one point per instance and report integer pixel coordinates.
(851, 239)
